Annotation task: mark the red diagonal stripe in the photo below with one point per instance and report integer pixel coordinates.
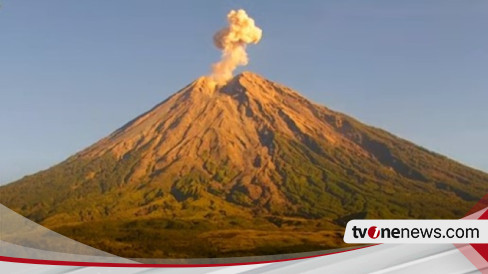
(482, 248)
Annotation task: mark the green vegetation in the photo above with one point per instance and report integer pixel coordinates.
(251, 169)
(164, 238)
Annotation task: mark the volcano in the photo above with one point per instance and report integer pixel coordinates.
(246, 168)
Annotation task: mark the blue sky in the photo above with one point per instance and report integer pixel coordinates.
(71, 72)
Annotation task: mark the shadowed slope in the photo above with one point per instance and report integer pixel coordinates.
(252, 154)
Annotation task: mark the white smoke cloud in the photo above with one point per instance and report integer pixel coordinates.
(232, 40)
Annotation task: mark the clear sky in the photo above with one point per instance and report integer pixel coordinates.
(71, 72)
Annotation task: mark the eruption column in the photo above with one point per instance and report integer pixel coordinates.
(232, 40)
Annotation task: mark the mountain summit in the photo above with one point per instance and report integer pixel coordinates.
(251, 160)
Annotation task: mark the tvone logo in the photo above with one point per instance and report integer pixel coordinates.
(373, 232)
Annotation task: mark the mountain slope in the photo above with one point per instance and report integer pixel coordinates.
(252, 154)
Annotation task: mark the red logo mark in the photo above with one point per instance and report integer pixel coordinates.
(373, 232)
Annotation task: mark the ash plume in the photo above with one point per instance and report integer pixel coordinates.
(232, 40)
